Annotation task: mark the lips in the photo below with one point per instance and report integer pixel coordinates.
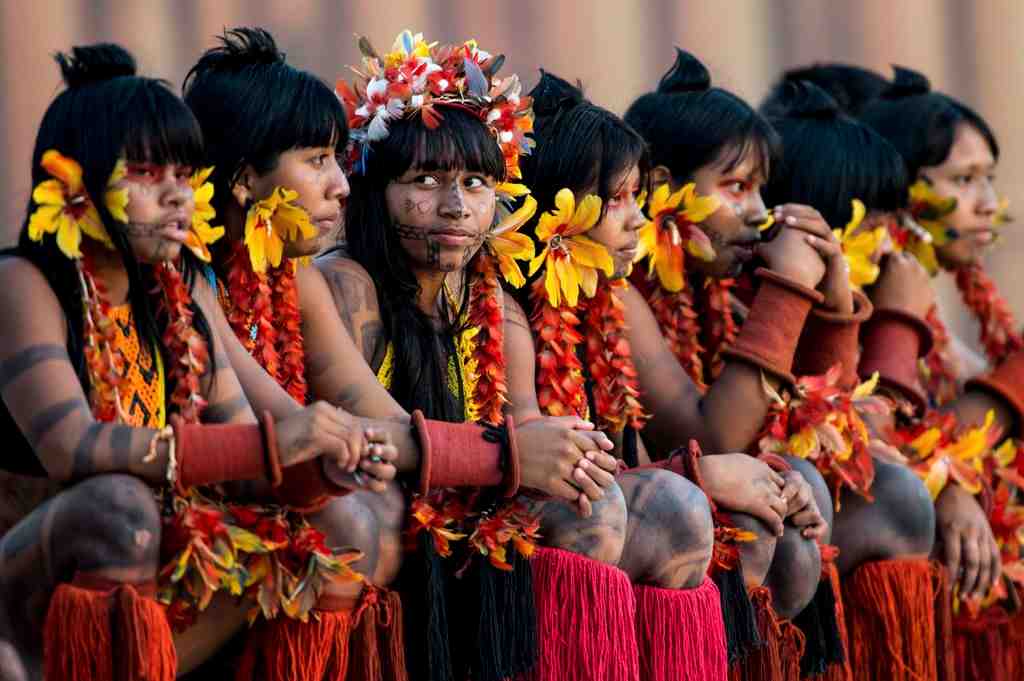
(453, 236)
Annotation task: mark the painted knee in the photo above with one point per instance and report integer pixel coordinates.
(348, 521)
(600, 537)
(108, 522)
(755, 556)
(671, 535)
(795, 572)
(908, 508)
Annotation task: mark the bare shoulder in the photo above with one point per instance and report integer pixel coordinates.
(513, 311)
(26, 298)
(354, 295)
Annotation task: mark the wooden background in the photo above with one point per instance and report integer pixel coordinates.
(618, 48)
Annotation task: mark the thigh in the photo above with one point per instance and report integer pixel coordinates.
(600, 537)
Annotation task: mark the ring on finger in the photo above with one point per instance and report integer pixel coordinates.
(375, 458)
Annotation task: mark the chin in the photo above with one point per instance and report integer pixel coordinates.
(302, 248)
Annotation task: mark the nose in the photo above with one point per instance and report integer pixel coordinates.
(338, 187)
(754, 210)
(637, 219)
(988, 202)
(453, 206)
(176, 193)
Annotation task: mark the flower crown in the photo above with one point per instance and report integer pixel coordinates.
(416, 78)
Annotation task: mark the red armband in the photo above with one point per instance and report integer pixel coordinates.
(1006, 381)
(769, 336)
(831, 338)
(208, 454)
(306, 488)
(465, 455)
(891, 343)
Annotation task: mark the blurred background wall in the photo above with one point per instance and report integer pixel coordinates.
(617, 48)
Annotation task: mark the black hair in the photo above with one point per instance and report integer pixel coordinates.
(253, 106)
(853, 87)
(921, 123)
(461, 141)
(106, 113)
(580, 146)
(690, 124)
(829, 159)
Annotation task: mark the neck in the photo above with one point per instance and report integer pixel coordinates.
(108, 269)
(431, 289)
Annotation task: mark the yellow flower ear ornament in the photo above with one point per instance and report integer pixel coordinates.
(674, 231)
(859, 247)
(270, 223)
(202, 234)
(65, 208)
(571, 259)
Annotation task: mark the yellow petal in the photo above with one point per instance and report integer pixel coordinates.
(93, 228)
(43, 221)
(670, 272)
(512, 189)
(588, 280)
(48, 193)
(936, 478)
(569, 280)
(117, 202)
(517, 219)
(866, 388)
(275, 250)
(510, 271)
(648, 241)
(118, 173)
(659, 198)
(856, 218)
(925, 443)
(64, 169)
(551, 285)
(538, 261)
(69, 237)
(514, 245)
(586, 251)
(586, 216)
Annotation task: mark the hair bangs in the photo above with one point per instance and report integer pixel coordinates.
(461, 142)
(317, 118)
(160, 128)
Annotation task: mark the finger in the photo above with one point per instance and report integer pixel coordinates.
(380, 471)
(770, 516)
(814, 226)
(574, 422)
(971, 565)
(777, 478)
(589, 441)
(778, 504)
(603, 478)
(984, 570)
(817, 531)
(586, 484)
(951, 555)
(825, 249)
(808, 518)
(560, 489)
(604, 461)
(996, 564)
(583, 506)
(378, 436)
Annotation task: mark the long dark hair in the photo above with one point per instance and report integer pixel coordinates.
(689, 124)
(420, 351)
(921, 123)
(106, 113)
(829, 159)
(253, 106)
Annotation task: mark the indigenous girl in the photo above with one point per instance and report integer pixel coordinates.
(272, 133)
(625, 376)
(436, 133)
(712, 139)
(953, 213)
(120, 388)
(855, 178)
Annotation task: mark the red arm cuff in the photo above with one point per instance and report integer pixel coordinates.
(209, 454)
(306, 488)
(769, 336)
(891, 343)
(831, 338)
(462, 455)
(1006, 382)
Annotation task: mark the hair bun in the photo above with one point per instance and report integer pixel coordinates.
(688, 74)
(804, 99)
(553, 95)
(94, 63)
(907, 83)
(245, 46)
